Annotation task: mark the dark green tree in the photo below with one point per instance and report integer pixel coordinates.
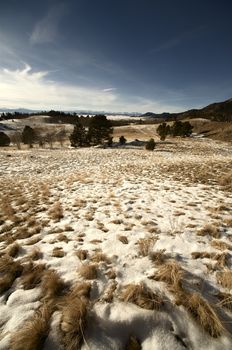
(29, 136)
(78, 138)
(163, 130)
(4, 139)
(150, 145)
(100, 129)
(122, 140)
(183, 129)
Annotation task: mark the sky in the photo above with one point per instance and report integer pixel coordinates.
(115, 55)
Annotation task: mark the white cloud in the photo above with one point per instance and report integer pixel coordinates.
(46, 29)
(109, 89)
(29, 89)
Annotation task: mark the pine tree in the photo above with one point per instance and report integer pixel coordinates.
(78, 138)
(100, 129)
(29, 136)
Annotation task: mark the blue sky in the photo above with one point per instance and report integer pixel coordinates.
(115, 55)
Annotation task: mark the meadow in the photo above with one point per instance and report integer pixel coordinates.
(119, 248)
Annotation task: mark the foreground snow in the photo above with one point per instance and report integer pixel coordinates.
(124, 204)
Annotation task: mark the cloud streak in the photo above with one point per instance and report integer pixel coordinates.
(34, 90)
(46, 29)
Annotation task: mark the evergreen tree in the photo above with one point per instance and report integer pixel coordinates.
(78, 138)
(163, 130)
(100, 129)
(4, 139)
(29, 136)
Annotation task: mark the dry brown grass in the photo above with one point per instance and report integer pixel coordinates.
(88, 271)
(32, 275)
(171, 273)
(226, 181)
(210, 230)
(225, 300)
(123, 239)
(52, 285)
(202, 255)
(62, 238)
(73, 323)
(33, 333)
(13, 249)
(159, 257)
(225, 278)
(82, 254)
(228, 222)
(100, 257)
(220, 245)
(142, 296)
(9, 270)
(56, 211)
(35, 254)
(145, 245)
(223, 260)
(133, 344)
(201, 311)
(58, 252)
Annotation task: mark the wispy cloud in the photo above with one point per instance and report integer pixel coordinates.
(26, 88)
(46, 29)
(109, 89)
(177, 40)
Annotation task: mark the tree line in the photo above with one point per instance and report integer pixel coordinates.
(99, 131)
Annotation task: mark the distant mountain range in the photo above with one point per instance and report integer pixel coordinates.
(220, 111)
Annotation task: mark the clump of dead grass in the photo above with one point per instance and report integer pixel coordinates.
(32, 275)
(220, 245)
(62, 238)
(201, 311)
(58, 252)
(73, 322)
(82, 254)
(56, 211)
(33, 333)
(52, 285)
(225, 300)
(224, 278)
(88, 271)
(13, 249)
(145, 245)
(123, 239)
(159, 256)
(171, 273)
(210, 230)
(226, 181)
(99, 256)
(142, 296)
(108, 294)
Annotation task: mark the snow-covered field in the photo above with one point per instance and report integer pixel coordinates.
(116, 248)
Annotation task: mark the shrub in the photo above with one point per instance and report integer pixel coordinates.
(4, 140)
(150, 145)
(122, 140)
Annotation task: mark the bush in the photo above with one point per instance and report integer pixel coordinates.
(122, 140)
(150, 145)
(4, 139)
